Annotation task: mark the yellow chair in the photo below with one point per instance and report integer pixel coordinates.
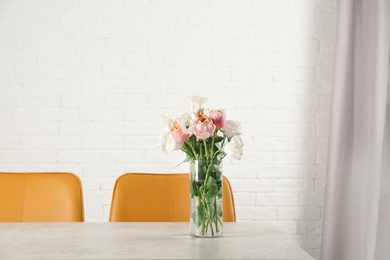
(40, 197)
(143, 197)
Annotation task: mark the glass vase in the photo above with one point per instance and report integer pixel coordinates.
(206, 198)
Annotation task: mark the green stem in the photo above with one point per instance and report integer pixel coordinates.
(205, 149)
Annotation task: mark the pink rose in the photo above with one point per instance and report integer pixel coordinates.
(218, 117)
(178, 134)
(204, 127)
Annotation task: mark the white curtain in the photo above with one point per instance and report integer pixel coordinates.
(357, 199)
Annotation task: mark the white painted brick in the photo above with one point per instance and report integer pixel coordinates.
(84, 100)
(17, 142)
(101, 142)
(92, 212)
(298, 213)
(244, 185)
(57, 114)
(288, 45)
(244, 198)
(311, 199)
(252, 18)
(6, 157)
(107, 183)
(165, 18)
(251, 129)
(18, 30)
(322, 157)
(58, 142)
(240, 171)
(299, 130)
(123, 72)
(79, 17)
(101, 5)
(8, 100)
(278, 172)
(246, 213)
(58, 30)
(7, 17)
(103, 169)
(17, 58)
(297, 17)
(294, 185)
(209, 18)
(190, 59)
(98, 197)
(313, 171)
(30, 128)
(185, 6)
(83, 84)
(102, 86)
(130, 100)
(6, 72)
(101, 114)
(90, 183)
(123, 17)
(39, 101)
(243, 74)
(77, 44)
(233, 31)
(291, 74)
(259, 157)
(77, 156)
(125, 45)
(213, 73)
(35, 156)
(47, 86)
(319, 185)
(277, 199)
(36, 17)
(122, 156)
(103, 58)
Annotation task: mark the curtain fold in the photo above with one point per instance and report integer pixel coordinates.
(354, 199)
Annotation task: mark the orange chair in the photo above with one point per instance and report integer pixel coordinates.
(143, 197)
(40, 197)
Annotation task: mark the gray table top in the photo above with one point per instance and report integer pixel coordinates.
(91, 240)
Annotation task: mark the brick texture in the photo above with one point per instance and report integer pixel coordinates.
(83, 84)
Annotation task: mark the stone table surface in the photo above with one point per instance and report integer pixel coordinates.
(164, 240)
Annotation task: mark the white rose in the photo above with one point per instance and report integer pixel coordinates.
(197, 103)
(186, 122)
(235, 147)
(167, 143)
(166, 122)
(232, 128)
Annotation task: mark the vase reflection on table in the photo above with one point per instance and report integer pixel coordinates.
(206, 137)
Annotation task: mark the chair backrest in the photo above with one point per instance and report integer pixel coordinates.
(144, 197)
(40, 197)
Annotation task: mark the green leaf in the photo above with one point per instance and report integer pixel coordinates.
(210, 183)
(218, 139)
(186, 160)
(198, 215)
(212, 192)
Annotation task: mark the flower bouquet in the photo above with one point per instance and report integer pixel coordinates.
(206, 137)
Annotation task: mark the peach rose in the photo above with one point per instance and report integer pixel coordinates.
(178, 134)
(204, 127)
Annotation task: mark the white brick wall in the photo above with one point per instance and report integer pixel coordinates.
(84, 82)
